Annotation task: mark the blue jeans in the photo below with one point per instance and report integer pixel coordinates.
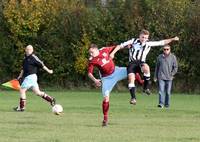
(164, 92)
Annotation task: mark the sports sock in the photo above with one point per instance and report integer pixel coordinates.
(22, 103)
(47, 98)
(146, 82)
(132, 92)
(105, 108)
(131, 87)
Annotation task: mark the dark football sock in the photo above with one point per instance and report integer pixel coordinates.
(146, 82)
(22, 103)
(132, 92)
(47, 98)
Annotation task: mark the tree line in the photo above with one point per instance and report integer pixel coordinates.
(61, 31)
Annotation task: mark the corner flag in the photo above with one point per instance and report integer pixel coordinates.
(14, 84)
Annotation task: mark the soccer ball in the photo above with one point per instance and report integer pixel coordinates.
(57, 109)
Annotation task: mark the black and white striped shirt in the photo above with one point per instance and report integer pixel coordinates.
(138, 51)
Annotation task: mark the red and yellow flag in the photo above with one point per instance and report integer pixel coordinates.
(14, 84)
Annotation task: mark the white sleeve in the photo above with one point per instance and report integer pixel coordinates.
(124, 44)
(156, 43)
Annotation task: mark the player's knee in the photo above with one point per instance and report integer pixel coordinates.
(22, 91)
(145, 68)
(106, 99)
(131, 77)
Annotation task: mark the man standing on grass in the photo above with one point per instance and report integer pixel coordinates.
(31, 64)
(166, 68)
(138, 50)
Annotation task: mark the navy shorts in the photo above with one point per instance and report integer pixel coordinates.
(134, 67)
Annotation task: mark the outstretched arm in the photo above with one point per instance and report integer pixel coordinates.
(122, 45)
(40, 64)
(117, 48)
(162, 42)
(47, 69)
(167, 41)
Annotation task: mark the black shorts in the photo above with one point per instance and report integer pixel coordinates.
(134, 67)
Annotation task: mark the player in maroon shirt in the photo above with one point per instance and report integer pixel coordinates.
(109, 74)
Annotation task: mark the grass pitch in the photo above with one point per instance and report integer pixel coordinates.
(81, 121)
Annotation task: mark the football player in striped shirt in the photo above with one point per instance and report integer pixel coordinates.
(138, 50)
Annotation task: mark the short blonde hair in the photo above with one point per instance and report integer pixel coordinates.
(144, 32)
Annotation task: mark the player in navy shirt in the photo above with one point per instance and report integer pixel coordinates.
(31, 64)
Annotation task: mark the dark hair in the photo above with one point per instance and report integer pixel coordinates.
(93, 46)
